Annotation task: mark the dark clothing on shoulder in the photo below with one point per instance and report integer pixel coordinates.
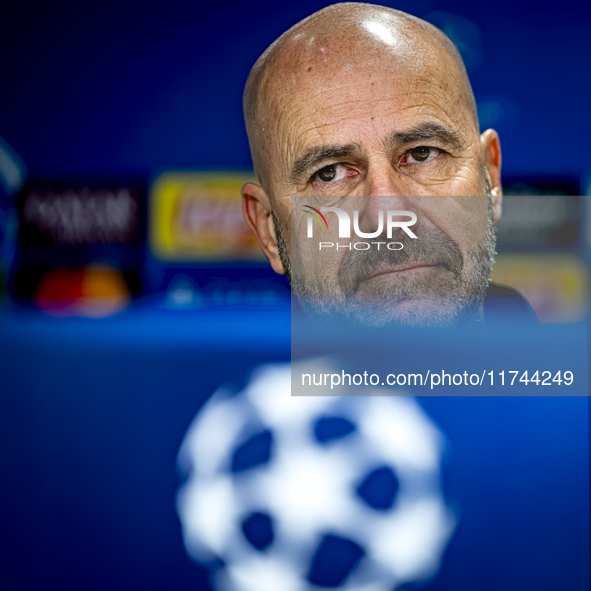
(502, 302)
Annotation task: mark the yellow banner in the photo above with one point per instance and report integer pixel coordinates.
(557, 285)
(197, 216)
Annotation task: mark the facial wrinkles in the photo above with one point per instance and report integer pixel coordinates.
(357, 124)
(374, 174)
(327, 97)
(363, 99)
(432, 247)
(371, 166)
(301, 117)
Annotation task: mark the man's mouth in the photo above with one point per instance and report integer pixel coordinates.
(397, 270)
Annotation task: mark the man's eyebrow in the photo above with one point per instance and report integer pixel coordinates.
(318, 154)
(424, 131)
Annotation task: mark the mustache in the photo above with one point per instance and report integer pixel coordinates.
(431, 247)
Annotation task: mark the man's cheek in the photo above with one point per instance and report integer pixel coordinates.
(463, 219)
(474, 221)
(330, 259)
(460, 177)
(318, 259)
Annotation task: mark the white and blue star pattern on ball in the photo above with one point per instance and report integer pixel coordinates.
(298, 493)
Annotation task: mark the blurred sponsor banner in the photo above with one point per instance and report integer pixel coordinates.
(81, 246)
(79, 214)
(534, 221)
(93, 291)
(539, 238)
(558, 285)
(197, 216)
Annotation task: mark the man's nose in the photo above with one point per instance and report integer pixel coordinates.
(383, 180)
(385, 190)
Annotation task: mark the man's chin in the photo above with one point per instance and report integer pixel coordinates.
(414, 312)
(429, 312)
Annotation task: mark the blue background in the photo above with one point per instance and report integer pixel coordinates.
(133, 87)
(92, 412)
(92, 420)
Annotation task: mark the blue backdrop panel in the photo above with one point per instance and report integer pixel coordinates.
(92, 415)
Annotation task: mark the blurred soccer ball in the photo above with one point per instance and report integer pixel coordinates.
(296, 493)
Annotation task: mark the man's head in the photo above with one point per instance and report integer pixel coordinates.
(365, 103)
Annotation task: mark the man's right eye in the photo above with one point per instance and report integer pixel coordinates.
(328, 174)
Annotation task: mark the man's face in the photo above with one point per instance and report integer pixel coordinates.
(372, 135)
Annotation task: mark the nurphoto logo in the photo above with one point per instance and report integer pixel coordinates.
(344, 219)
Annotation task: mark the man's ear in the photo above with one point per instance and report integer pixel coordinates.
(491, 151)
(256, 208)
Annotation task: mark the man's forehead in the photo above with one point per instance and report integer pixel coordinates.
(309, 62)
(362, 104)
(330, 75)
(341, 91)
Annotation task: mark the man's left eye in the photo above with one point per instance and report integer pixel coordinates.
(329, 174)
(421, 154)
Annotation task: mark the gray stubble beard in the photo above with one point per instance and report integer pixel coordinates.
(461, 301)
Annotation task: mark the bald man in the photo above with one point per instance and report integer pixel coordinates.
(368, 110)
